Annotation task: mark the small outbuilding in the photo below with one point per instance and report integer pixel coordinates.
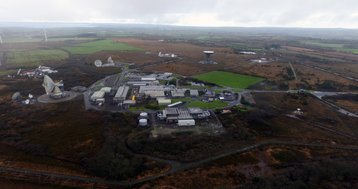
(187, 122)
(164, 101)
(97, 95)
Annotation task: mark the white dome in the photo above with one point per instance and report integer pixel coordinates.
(143, 122)
(143, 114)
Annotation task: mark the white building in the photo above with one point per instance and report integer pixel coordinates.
(155, 94)
(106, 89)
(164, 101)
(97, 96)
(194, 93)
(187, 122)
(178, 93)
(121, 94)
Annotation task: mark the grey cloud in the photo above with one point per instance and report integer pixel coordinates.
(296, 13)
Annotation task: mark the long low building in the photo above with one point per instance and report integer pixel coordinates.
(121, 94)
(183, 116)
(142, 83)
(143, 89)
(178, 93)
(164, 101)
(97, 95)
(187, 122)
(155, 94)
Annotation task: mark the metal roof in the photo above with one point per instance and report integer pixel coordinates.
(195, 111)
(121, 93)
(171, 111)
(97, 95)
(155, 94)
(143, 89)
(194, 93)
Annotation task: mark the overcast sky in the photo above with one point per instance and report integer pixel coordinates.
(246, 13)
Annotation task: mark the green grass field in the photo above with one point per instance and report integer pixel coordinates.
(101, 45)
(34, 57)
(7, 72)
(200, 104)
(334, 46)
(227, 79)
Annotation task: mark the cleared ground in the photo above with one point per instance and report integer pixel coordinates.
(101, 45)
(227, 79)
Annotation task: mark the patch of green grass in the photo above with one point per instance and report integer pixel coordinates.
(200, 104)
(34, 57)
(227, 79)
(328, 45)
(7, 72)
(101, 45)
(9, 39)
(334, 46)
(137, 109)
(70, 39)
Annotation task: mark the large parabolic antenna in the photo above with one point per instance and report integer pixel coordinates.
(98, 63)
(48, 84)
(53, 89)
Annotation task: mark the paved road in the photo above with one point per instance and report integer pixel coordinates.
(320, 95)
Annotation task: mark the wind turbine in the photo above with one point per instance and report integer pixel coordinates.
(45, 35)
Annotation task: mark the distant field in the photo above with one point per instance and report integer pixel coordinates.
(34, 57)
(227, 79)
(335, 46)
(70, 39)
(200, 104)
(21, 39)
(102, 45)
(40, 39)
(7, 72)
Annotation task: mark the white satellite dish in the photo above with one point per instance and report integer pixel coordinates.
(110, 60)
(48, 84)
(98, 63)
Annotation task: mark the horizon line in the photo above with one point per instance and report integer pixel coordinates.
(168, 25)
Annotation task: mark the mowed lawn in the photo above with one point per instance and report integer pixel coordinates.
(34, 57)
(101, 45)
(227, 79)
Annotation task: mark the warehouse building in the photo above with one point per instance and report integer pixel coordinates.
(106, 89)
(98, 96)
(194, 93)
(178, 93)
(143, 89)
(121, 94)
(155, 94)
(183, 116)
